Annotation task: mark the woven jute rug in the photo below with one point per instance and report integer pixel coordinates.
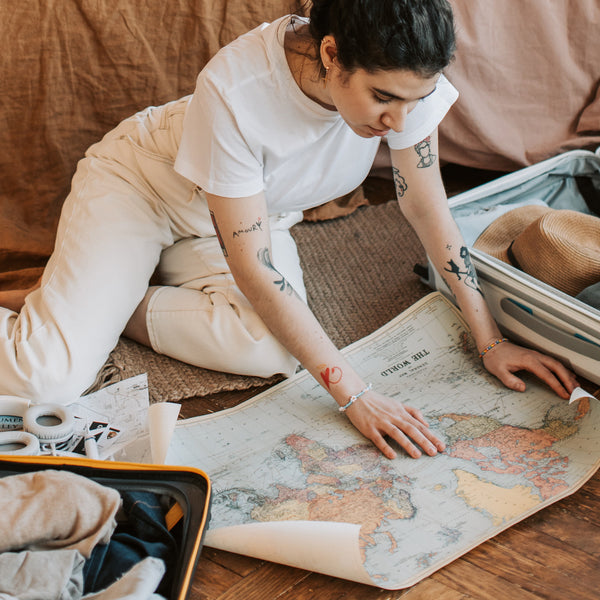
(358, 271)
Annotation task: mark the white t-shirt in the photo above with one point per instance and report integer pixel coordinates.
(249, 128)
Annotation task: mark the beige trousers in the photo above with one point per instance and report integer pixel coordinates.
(129, 213)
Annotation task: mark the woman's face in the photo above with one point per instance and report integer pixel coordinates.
(372, 104)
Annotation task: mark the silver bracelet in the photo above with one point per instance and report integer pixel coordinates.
(353, 399)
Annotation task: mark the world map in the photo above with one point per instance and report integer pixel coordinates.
(287, 456)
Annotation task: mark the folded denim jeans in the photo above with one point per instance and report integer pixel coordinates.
(143, 535)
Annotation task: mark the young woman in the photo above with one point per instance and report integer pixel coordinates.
(287, 117)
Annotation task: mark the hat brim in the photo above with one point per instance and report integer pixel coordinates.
(497, 237)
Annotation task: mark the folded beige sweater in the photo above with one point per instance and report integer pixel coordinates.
(52, 509)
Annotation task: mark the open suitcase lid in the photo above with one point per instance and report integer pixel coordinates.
(190, 489)
(574, 162)
(526, 308)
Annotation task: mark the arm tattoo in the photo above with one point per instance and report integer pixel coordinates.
(222, 244)
(399, 182)
(423, 149)
(257, 226)
(468, 272)
(284, 286)
(330, 375)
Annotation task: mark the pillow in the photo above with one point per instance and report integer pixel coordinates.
(527, 72)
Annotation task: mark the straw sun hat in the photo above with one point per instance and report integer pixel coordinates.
(559, 247)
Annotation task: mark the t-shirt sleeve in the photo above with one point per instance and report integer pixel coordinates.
(213, 152)
(425, 117)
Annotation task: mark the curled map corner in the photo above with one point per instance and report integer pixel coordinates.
(579, 393)
(325, 547)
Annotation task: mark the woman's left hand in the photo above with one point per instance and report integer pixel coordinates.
(505, 359)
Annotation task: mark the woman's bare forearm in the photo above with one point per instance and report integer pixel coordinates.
(242, 228)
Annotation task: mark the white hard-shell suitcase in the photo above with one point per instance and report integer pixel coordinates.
(527, 310)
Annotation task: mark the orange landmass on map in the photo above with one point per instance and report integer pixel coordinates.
(330, 497)
(518, 451)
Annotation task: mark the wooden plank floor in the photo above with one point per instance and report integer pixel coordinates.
(554, 554)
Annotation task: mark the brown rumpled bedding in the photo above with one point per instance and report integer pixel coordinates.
(71, 70)
(528, 73)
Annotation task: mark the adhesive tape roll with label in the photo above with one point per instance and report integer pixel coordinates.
(49, 433)
(12, 409)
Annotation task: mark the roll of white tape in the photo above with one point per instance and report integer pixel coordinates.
(27, 442)
(39, 420)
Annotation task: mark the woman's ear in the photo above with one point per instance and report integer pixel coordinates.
(328, 51)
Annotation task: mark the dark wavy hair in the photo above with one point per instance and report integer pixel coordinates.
(414, 35)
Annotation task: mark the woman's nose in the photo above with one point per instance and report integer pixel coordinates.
(395, 118)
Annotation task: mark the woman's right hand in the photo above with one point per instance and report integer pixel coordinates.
(379, 417)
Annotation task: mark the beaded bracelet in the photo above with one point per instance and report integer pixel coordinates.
(492, 345)
(353, 399)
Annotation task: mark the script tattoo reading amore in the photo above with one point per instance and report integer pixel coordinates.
(257, 226)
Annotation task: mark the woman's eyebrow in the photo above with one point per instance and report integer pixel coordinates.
(394, 97)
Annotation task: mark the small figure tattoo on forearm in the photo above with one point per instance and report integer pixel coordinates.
(399, 183)
(467, 274)
(423, 149)
(219, 237)
(264, 256)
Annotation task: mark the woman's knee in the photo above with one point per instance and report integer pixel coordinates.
(217, 330)
(42, 383)
(40, 363)
(137, 328)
